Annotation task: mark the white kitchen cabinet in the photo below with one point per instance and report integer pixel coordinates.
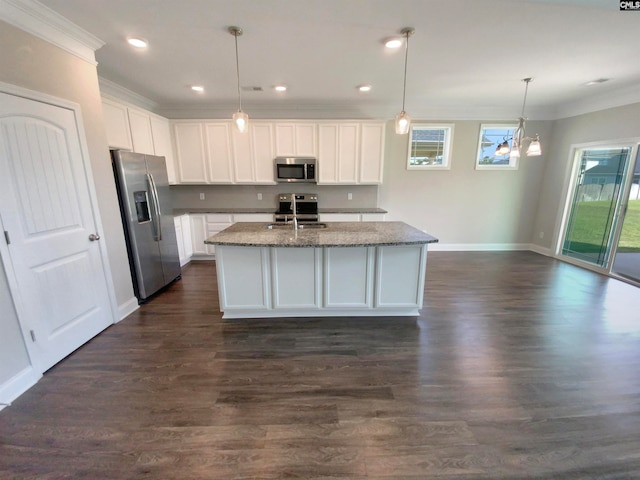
(297, 139)
(254, 152)
(162, 146)
(190, 153)
(351, 217)
(183, 236)
(116, 121)
(218, 155)
(202, 227)
(141, 136)
(253, 217)
(350, 152)
(371, 153)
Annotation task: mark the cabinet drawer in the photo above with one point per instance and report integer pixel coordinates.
(219, 218)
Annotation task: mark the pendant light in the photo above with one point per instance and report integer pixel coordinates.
(240, 119)
(534, 150)
(403, 121)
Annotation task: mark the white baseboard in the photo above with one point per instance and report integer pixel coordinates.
(478, 247)
(541, 250)
(17, 385)
(127, 308)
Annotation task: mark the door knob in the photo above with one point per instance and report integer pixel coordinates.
(93, 237)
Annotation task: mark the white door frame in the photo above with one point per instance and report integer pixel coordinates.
(567, 197)
(4, 249)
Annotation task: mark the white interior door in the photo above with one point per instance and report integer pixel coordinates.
(46, 208)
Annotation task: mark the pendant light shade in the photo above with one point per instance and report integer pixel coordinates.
(240, 119)
(403, 121)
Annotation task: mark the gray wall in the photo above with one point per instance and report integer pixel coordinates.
(246, 196)
(463, 205)
(607, 125)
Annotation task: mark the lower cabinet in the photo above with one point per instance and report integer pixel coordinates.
(183, 235)
(204, 225)
(351, 217)
(258, 282)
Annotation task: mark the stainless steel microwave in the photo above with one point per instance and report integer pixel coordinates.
(295, 169)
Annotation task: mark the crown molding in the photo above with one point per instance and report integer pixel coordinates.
(118, 92)
(596, 102)
(36, 19)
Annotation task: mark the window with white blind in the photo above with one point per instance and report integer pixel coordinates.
(430, 147)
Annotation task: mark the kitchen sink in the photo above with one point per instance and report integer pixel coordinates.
(289, 226)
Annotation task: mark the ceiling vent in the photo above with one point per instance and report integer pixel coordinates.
(252, 89)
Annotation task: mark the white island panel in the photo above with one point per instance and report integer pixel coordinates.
(243, 278)
(348, 274)
(296, 277)
(400, 276)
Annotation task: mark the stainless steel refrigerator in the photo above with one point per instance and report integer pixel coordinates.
(145, 204)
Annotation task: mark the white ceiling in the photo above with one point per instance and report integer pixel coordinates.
(466, 58)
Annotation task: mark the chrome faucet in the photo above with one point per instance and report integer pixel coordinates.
(294, 208)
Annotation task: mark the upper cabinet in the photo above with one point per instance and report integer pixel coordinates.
(214, 152)
(140, 131)
(296, 139)
(350, 152)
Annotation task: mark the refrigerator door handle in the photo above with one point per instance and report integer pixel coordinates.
(156, 215)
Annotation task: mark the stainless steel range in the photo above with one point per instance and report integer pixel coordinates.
(306, 207)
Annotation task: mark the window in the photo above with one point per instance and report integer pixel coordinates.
(490, 137)
(430, 147)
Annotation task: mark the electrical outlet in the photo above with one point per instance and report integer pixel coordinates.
(202, 196)
(349, 196)
(541, 234)
(259, 196)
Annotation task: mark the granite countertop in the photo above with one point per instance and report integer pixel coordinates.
(337, 234)
(272, 210)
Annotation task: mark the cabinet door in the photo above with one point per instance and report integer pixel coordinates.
(190, 153)
(296, 139)
(246, 274)
(198, 233)
(116, 122)
(371, 152)
(348, 153)
(327, 153)
(262, 152)
(141, 136)
(162, 146)
(242, 156)
(186, 236)
(216, 222)
(180, 238)
(339, 217)
(400, 276)
(218, 150)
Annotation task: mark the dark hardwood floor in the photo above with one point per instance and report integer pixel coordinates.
(519, 367)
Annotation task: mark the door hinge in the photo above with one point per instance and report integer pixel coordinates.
(6, 237)
(33, 335)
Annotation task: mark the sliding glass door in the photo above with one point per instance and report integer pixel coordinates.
(627, 257)
(593, 214)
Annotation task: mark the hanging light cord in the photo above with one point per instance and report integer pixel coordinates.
(236, 33)
(406, 56)
(526, 89)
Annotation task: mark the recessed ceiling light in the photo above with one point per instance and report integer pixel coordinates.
(394, 42)
(197, 88)
(597, 81)
(280, 88)
(364, 88)
(137, 42)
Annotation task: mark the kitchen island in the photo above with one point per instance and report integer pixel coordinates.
(345, 269)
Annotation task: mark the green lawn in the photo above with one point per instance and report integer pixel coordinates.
(590, 221)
